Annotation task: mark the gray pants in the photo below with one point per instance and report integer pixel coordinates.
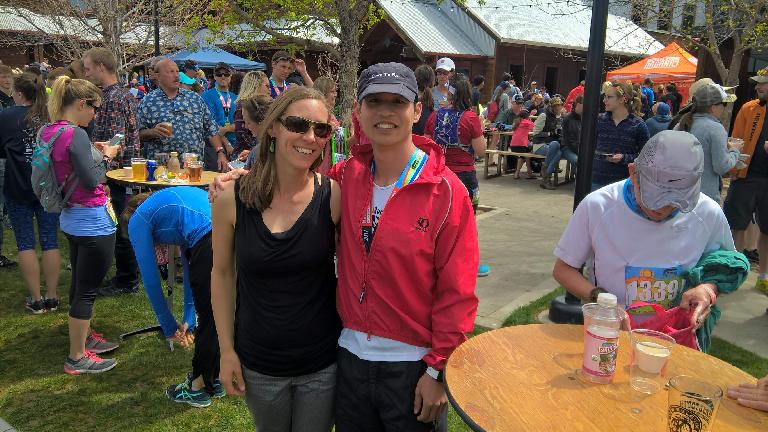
(291, 404)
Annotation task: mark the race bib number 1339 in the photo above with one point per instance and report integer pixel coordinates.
(653, 284)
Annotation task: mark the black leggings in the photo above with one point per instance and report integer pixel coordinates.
(205, 361)
(90, 257)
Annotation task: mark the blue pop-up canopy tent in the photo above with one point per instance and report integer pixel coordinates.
(208, 57)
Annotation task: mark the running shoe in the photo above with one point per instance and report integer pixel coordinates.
(36, 307)
(483, 270)
(183, 393)
(6, 262)
(90, 363)
(96, 343)
(218, 389)
(51, 304)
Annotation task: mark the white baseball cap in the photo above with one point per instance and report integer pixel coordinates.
(445, 64)
(669, 169)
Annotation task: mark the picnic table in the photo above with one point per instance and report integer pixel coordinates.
(525, 378)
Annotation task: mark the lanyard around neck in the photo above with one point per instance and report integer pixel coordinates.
(409, 174)
(277, 89)
(226, 104)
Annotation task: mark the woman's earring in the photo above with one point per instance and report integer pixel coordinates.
(272, 144)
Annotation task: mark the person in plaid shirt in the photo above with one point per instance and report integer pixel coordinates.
(117, 114)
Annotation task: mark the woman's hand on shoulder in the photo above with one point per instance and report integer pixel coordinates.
(223, 181)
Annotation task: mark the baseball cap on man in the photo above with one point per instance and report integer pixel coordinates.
(395, 78)
(282, 56)
(445, 64)
(518, 99)
(761, 77)
(221, 66)
(669, 169)
(711, 94)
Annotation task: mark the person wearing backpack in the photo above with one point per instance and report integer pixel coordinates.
(86, 217)
(18, 126)
(457, 129)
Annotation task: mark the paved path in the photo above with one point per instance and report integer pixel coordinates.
(517, 240)
(5, 427)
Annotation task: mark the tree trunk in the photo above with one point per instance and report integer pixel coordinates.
(349, 59)
(732, 79)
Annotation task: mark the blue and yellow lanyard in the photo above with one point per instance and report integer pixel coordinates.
(409, 174)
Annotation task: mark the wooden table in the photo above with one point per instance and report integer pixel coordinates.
(524, 378)
(117, 176)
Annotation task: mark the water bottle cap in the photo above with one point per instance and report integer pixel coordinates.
(607, 300)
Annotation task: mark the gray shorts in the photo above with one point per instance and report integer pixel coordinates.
(291, 404)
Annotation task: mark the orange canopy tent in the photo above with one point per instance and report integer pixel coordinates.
(670, 64)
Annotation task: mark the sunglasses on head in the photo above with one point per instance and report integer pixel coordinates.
(288, 59)
(92, 104)
(301, 125)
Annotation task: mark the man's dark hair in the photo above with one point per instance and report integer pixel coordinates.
(462, 99)
(506, 77)
(579, 100)
(648, 82)
(671, 87)
(477, 80)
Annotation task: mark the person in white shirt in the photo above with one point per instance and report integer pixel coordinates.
(639, 236)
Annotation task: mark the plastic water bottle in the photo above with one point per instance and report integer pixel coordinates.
(602, 322)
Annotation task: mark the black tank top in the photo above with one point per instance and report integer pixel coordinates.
(286, 322)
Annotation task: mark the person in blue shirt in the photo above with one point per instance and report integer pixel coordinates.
(221, 103)
(650, 96)
(180, 216)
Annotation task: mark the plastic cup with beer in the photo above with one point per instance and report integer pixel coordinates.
(139, 167)
(195, 169)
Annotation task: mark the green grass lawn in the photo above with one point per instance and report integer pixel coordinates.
(35, 394)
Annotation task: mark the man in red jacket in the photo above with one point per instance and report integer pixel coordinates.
(407, 264)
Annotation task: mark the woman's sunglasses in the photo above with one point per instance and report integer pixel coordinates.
(220, 75)
(92, 104)
(301, 125)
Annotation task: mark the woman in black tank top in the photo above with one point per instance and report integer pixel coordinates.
(273, 282)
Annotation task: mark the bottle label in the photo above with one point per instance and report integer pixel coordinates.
(600, 354)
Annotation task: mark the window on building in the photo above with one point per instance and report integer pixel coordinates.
(517, 73)
(639, 14)
(689, 16)
(666, 9)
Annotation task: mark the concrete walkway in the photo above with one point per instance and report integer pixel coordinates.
(5, 427)
(517, 240)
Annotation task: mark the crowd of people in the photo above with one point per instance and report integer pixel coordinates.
(293, 297)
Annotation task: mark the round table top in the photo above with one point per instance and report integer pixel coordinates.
(117, 175)
(524, 378)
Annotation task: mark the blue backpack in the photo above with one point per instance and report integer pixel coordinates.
(44, 183)
(447, 129)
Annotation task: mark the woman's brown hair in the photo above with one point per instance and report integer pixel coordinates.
(425, 80)
(258, 187)
(32, 88)
(130, 209)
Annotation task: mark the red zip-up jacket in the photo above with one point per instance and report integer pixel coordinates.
(417, 284)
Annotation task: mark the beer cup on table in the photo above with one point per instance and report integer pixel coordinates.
(692, 405)
(139, 167)
(195, 169)
(650, 355)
